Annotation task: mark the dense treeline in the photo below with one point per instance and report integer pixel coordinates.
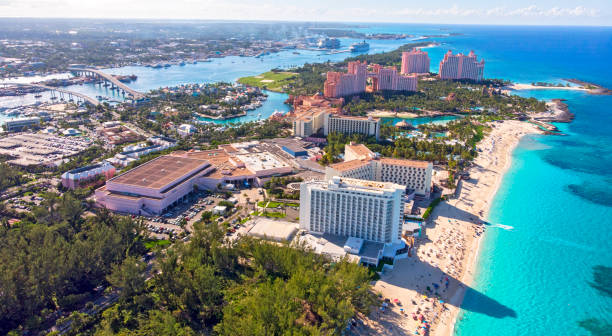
(10, 176)
(54, 259)
(431, 96)
(267, 129)
(310, 78)
(250, 287)
(467, 132)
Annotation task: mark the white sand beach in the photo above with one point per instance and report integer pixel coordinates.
(391, 114)
(522, 86)
(448, 250)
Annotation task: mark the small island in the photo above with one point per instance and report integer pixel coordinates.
(218, 101)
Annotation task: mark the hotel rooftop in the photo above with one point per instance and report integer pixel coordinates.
(349, 165)
(405, 163)
(360, 150)
(362, 185)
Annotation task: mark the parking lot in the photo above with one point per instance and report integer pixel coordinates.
(36, 148)
(183, 216)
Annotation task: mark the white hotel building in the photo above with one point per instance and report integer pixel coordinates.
(368, 210)
(351, 124)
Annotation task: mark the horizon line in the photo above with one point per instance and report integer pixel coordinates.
(304, 21)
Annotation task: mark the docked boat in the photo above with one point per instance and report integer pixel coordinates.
(359, 47)
(329, 43)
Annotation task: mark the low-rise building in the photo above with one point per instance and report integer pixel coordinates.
(153, 187)
(19, 124)
(84, 176)
(186, 130)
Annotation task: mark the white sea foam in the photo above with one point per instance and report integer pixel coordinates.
(502, 226)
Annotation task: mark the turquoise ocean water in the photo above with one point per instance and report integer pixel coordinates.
(550, 274)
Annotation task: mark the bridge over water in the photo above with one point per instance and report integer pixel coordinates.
(55, 90)
(115, 83)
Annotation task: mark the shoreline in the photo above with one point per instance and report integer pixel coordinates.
(586, 87)
(472, 266)
(408, 115)
(450, 246)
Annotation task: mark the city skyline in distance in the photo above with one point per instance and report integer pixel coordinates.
(519, 12)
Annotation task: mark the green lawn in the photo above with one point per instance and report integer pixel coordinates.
(273, 81)
(275, 204)
(269, 214)
(152, 243)
(273, 214)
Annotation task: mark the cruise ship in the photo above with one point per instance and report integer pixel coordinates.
(329, 43)
(358, 47)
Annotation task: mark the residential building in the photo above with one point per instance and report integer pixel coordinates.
(363, 209)
(117, 134)
(461, 66)
(415, 62)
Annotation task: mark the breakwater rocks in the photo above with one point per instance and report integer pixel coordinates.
(564, 114)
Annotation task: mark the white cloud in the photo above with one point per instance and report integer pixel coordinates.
(290, 10)
(529, 11)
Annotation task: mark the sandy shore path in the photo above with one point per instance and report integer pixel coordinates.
(432, 282)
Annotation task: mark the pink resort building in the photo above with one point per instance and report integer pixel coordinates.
(85, 176)
(345, 84)
(415, 61)
(355, 80)
(461, 66)
(388, 79)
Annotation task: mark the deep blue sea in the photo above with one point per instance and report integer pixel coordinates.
(551, 274)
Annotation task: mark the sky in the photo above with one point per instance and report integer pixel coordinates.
(515, 12)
